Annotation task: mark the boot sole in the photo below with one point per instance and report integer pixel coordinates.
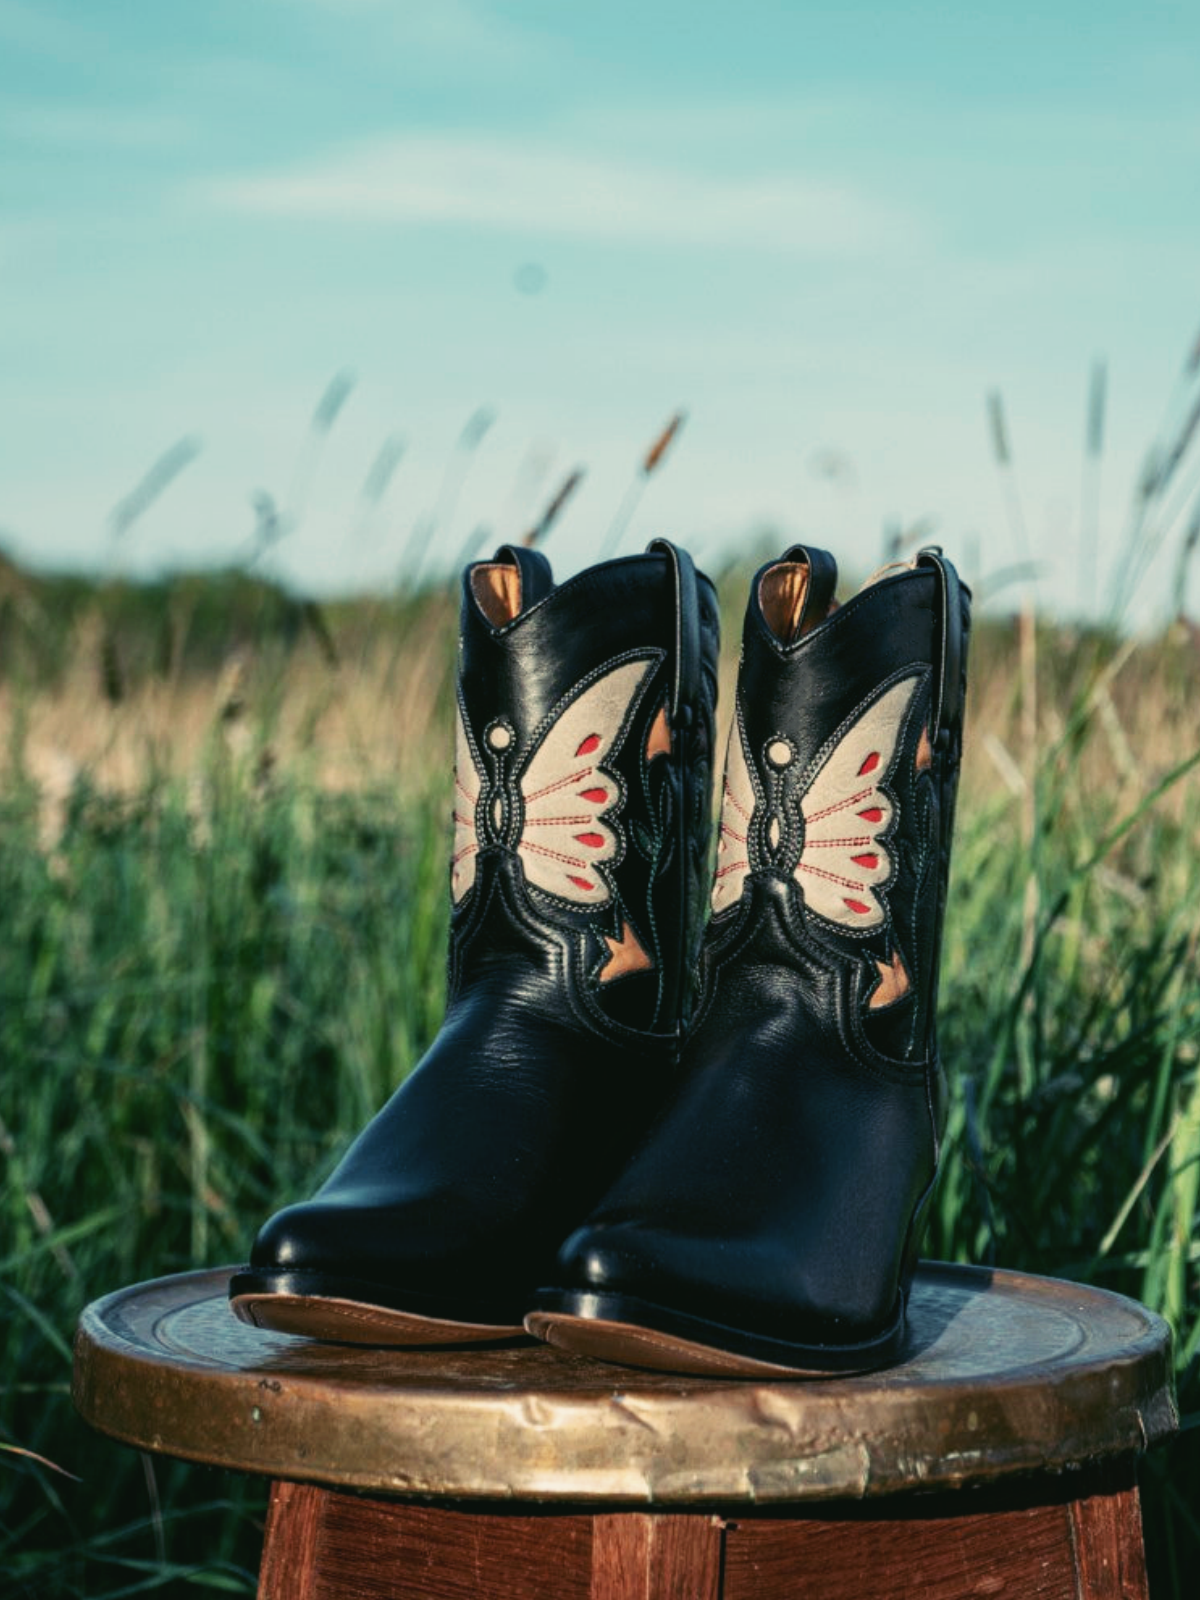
(316, 1307)
(636, 1333)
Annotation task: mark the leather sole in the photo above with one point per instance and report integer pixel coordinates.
(620, 1328)
(315, 1306)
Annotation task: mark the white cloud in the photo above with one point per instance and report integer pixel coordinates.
(538, 187)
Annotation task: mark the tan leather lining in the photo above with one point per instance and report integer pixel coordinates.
(658, 742)
(497, 590)
(625, 955)
(781, 594)
(924, 757)
(894, 984)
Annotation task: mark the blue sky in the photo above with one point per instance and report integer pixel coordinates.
(826, 231)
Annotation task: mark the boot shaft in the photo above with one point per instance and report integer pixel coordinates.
(839, 789)
(583, 782)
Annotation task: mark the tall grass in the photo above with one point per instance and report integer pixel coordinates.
(224, 911)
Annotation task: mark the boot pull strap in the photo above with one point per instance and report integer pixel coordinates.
(819, 589)
(686, 690)
(948, 704)
(537, 580)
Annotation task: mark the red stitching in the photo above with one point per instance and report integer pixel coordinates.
(836, 844)
(561, 784)
(554, 855)
(733, 801)
(819, 872)
(734, 866)
(841, 805)
(554, 822)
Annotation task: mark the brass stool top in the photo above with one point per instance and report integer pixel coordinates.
(1003, 1373)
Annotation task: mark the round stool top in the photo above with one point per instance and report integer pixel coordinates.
(1002, 1373)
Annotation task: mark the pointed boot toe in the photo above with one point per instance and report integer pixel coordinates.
(583, 778)
(340, 1271)
(770, 1222)
(647, 1298)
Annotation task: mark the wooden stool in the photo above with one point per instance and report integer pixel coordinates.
(514, 1472)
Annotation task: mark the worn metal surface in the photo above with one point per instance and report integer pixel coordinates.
(1003, 1373)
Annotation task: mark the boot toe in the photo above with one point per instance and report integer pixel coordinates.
(612, 1259)
(305, 1237)
(760, 1288)
(423, 1244)
(650, 1264)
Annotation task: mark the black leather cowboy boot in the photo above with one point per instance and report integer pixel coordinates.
(582, 812)
(770, 1222)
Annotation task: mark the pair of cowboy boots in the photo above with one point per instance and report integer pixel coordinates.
(735, 1130)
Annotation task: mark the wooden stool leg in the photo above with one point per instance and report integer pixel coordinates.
(321, 1544)
(325, 1544)
(290, 1542)
(1077, 1537)
(637, 1557)
(1110, 1556)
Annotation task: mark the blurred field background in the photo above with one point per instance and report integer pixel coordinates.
(223, 850)
(224, 794)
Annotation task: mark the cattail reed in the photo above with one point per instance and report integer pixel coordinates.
(328, 408)
(541, 529)
(662, 444)
(378, 481)
(325, 413)
(1187, 553)
(1166, 451)
(270, 525)
(1027, 679)
(160, 477)
(1180, 448)
(652, 460)
(425, 530)
(1093, 452)
(383, 468)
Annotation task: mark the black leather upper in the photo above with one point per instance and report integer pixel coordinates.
(653, 607)
(780, 1191)
(463, 1185)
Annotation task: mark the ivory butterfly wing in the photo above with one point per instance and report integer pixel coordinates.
(844, 862)
(847, 815)
(737, 813)
(467, 785)
(568, 833)
(566, 794)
